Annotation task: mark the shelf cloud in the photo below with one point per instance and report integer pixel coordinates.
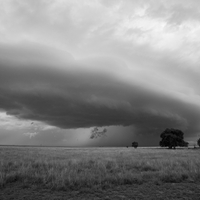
(97, 91)
(73, 64)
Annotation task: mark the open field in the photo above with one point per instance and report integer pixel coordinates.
(98, 169)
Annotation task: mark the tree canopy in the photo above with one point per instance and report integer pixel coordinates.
(135, 144)
(172, 138)
(198, 142)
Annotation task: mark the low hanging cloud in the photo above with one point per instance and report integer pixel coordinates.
(97, 91)
(95, 133)
(31, 134)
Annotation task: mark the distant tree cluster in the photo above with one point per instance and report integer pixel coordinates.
(172, 138)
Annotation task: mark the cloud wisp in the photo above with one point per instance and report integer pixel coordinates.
(95, 133)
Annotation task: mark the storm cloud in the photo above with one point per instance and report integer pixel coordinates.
(99, 91)
(89, 64)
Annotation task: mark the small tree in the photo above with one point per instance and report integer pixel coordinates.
(172, 138)
(135, 144)
(198, 142)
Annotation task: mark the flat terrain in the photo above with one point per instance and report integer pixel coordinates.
(99, 173)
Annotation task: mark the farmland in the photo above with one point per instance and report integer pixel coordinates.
(90, 170)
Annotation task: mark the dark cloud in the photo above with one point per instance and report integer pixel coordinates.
(60, 91)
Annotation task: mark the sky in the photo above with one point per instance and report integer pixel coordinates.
(67, 66)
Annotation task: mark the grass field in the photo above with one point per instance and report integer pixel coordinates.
(74, 168)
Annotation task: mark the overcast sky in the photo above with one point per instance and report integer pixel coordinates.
(67, 66)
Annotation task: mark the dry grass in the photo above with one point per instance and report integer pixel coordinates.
(74, 168)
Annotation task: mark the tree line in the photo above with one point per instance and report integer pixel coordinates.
(171, 138)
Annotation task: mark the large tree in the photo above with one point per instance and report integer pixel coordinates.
(172, 138)
(135, 144)
(198, 142)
